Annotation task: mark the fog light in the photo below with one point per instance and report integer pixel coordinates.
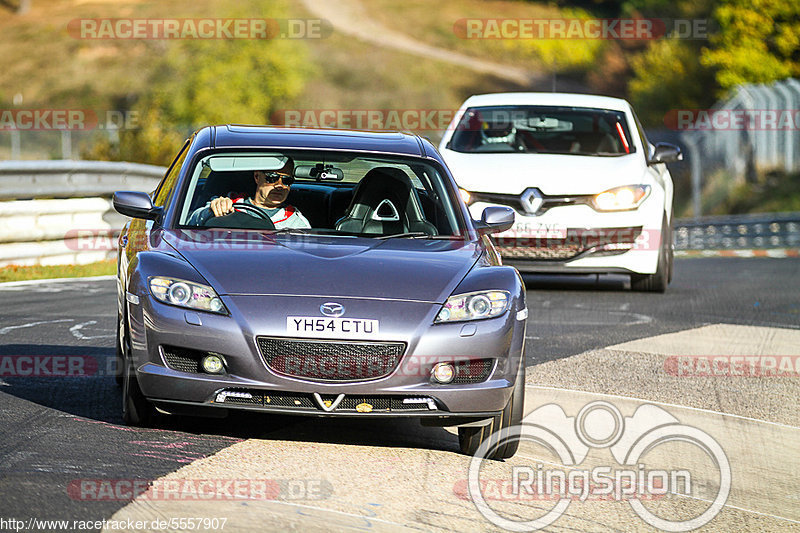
(213, 364)
(443, 372)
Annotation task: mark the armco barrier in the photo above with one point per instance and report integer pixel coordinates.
(74, 179)
(47, 201)
(738, 232)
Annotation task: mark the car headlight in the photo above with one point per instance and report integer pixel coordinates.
(621, 198)
(465, 195)
(473, 306)
(186, 294)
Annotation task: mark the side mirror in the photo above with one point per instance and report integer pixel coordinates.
(496, 220)
(135, 205)
(666, 153)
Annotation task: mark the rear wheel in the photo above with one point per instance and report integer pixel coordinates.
(657, 282)
(470, 438)
(136, 410)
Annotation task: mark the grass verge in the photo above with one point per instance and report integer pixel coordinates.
(24, 273)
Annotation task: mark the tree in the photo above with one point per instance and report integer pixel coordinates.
(757, 42)
(213, 81)
(199, 82)
(667, 76)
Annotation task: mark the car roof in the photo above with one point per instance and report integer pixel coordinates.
(547, 99)
(237, 135)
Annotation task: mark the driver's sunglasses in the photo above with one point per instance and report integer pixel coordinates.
(273, 177)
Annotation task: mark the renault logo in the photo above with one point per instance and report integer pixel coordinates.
(332, 309)
(531, 200)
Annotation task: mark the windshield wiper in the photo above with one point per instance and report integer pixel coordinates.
(408, 235)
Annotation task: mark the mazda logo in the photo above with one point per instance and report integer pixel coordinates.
(332, 309)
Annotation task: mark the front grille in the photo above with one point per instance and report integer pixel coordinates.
(183, 359)
(514, 201)
(322, 360)
(473, 371)
(555, 252)
(301, 401)
(293, 401)
(577, 242)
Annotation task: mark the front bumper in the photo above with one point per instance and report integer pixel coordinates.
(154, 326)
(577, 239)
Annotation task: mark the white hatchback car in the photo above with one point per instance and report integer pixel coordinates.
(591, 194)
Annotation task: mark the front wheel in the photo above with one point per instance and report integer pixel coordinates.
(657, 282)
(470, 438)
(119, 362)
(136, 410)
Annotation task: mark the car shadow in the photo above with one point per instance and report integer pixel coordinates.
(93, 393)
(577, 282)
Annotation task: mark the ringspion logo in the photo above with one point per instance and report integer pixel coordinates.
(632, 477)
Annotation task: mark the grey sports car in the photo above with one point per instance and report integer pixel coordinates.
(321, 273)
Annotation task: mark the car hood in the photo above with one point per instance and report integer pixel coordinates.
(256, 263)
(552, 174)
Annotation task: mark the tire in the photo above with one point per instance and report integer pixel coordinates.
(119, 370)
(671, 252)
(470, 438)
(657, 282)
(136, 410)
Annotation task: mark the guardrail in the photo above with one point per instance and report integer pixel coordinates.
(738, 232)
(64, 197)
(50, 201)
(74, 179)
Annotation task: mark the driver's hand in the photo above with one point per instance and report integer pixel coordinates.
(221, 206)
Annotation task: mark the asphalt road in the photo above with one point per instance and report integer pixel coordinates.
(57, 430)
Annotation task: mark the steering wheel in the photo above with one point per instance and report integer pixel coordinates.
(245, 216)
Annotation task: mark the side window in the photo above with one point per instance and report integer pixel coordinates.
(167, 185)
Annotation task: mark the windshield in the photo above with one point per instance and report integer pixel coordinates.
(543, 130)
(326, 193)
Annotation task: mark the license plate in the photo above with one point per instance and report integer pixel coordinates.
(537, 230)
(338, 328)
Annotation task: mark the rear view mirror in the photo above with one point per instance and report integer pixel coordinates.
(666, 153)
(496, 220)
(319, 172)
(135, 204)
